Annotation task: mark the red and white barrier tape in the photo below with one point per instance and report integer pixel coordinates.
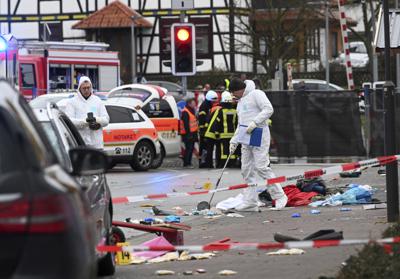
(346, 48)
(249, 246)
(280, 179)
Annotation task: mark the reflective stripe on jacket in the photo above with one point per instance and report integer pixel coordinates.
(193, 126)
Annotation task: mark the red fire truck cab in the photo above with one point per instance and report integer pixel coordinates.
(49, 67)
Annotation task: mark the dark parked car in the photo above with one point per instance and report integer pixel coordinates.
(64, 137)
(46, 225)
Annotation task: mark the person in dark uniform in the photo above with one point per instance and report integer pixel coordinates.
(222, 128)
(188, 130)
(204, 118)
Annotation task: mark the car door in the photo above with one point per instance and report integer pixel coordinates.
(166, 122)
(15, 194)
(122, 132)
(94, 186)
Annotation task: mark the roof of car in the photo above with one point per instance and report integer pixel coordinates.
(124, 101)
(41, 114)
(52, 95)
(318, 81)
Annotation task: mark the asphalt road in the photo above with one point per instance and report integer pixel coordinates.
(255, 227)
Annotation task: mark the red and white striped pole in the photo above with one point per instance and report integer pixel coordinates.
(345, 38)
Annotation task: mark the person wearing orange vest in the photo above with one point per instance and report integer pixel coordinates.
(188, 130)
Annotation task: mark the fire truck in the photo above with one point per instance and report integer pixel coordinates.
(49, 67)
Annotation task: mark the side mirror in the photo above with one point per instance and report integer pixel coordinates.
(88, 161)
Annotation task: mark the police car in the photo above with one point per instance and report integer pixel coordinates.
(162, 110)
(130, 137)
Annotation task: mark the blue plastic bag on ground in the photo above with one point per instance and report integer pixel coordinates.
(355, 194)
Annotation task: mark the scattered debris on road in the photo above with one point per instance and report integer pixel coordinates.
(236, 215)
(375, 206)
(164, 272)
(227, 272)
(284, 252)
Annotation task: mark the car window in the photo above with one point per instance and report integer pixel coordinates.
(54, 141)
(312, 86)
(11, 156)
(322, 87)
(158, 109)
(28, 76)
(136, 116)
(123, 115)
(66, 133)
(36, 136)
(137, 93)
(72, 128)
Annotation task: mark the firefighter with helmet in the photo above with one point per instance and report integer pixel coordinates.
(221, 129)
(204, 117)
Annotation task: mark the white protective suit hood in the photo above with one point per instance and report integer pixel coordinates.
(82, 80)
(250, 86)
(77, 109)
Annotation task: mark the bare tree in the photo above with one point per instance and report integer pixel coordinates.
(278, 31)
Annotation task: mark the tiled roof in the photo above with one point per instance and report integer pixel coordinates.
(114, 15)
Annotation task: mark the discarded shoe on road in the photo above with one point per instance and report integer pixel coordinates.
(319, 235)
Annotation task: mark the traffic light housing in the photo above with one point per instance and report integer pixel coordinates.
(183, 49)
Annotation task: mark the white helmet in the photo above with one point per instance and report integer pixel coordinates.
(226, 97)
(211, 96)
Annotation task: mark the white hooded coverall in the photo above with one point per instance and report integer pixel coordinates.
(77, 109)
(255, 107)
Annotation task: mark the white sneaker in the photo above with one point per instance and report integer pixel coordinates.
(281, 202)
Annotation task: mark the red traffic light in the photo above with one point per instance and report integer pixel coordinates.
(183, 35)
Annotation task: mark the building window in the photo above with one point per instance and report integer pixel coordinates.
(54, 32)
(60, 76)
(28, 76)
(90, 71)
(204, 36)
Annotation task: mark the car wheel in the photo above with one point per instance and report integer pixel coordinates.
(117, 235)
(106, 264)
(158, 160)
(143, 156)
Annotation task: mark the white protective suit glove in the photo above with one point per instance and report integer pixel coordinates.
(232, 148)
(251, 127)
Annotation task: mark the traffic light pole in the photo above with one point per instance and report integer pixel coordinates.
(184, 78)
(392, 185)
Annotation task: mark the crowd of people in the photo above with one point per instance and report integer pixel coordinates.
(210, 120)
(221, 123)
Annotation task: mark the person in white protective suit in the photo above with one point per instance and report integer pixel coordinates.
(88, 114)
(254, 109)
